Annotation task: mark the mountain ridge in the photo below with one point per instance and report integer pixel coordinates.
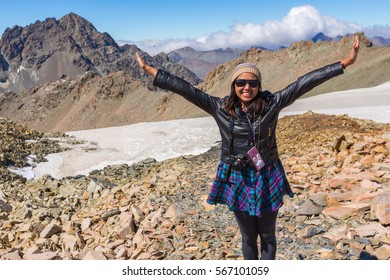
(202, 62)
(55, 49)
(125, 95)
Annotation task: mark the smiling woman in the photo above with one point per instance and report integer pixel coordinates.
(250, 177)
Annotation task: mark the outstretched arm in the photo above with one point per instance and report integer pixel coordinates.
(314, 78)
(177, 85)
(145, 67)
(351, 58)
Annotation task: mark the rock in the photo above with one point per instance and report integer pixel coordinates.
(111, 213)
(371, 229)
(320, 199)
(345, 211)
(121, 253)
(126, 224)
(173, 212)
(380, 208)
(311, 231)
(207, 207)
(14, 255)
(366, 197)
(94, 255)
(86, 224)
(69, 242)
(347, 196)
(336, 233)
(336, 183)
(157, 210)
(137, 213)
(47, 255)
(309, 208)
(326, 254)
(5, 206)
(383, 252)
(49, 230)
(369, 185)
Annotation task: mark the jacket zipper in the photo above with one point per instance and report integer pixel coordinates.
(269, 135)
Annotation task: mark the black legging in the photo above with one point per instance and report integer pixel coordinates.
(251, 227)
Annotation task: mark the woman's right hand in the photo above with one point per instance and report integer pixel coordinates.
(145, 67)
(353, 54)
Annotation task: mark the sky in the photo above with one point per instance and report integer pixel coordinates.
(166, 25)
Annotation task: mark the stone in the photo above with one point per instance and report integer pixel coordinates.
(69, 242)
(336, 233)
(4, 205)
(207, 207)
(14, 255)
(380, 208)
(47, 255)
(309, 208)
(173, 212)
(157, 210)
(371, 229)
(369, 185)
(311, 231)
(137, 213)
(49, 230)
(343, 212)
(86, 224)
(383, 252)
(336, 183)
(121, 253)
(366, 197)
(320, 198)
(325, 253)
(94, 255)
(126, 225)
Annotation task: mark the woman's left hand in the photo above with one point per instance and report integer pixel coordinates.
(352, 54)
(145, 67)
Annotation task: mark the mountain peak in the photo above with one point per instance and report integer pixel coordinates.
(75, 23)
(186, 49)
(53, 49)
(321, 37)
(74, 17)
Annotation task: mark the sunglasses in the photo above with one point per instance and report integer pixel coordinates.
(242, 83)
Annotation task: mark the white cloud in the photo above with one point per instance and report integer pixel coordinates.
(378, 30)
(301, 23)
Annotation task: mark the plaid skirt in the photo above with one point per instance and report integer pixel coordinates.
(249, 190)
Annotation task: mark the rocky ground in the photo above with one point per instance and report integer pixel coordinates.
(339, 169)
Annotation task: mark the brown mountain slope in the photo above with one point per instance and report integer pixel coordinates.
(92, 101)
(280, 68)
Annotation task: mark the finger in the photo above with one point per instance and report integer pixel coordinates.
(138, 55)
(139, 58)
(356, 43)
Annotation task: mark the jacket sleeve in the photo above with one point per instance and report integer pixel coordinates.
(167, 81)
(306, 83)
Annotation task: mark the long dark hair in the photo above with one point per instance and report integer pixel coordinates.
(254, 109)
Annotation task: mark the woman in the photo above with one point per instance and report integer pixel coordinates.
(250, 178)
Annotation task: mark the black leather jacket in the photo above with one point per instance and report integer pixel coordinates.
(265, 126)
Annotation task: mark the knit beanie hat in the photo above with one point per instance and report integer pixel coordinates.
(246, 68)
